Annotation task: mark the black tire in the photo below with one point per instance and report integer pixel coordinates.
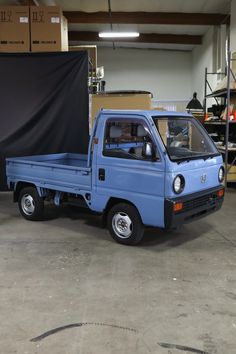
(31, 205)
(124, 224)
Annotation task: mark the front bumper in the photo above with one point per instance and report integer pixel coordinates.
(194, 206)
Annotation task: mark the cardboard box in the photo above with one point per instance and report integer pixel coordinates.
(234, 62)
(49, 32)
(231, 176)
(14, 29)
(118, 101)
(92, 54)
(162, 109)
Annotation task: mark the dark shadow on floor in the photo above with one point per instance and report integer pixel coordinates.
(174, 238)
(152, 236)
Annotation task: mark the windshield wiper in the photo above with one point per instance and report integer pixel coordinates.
(193, 157)
(206, 157)
(180, 160)
(183, 160)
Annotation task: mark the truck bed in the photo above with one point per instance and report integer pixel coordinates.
(63, 172)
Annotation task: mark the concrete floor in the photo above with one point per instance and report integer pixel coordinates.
(175, 293)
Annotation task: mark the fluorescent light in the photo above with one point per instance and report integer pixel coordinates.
(118, 34)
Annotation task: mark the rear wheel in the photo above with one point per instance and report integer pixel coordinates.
(124, 224)
(31, 205)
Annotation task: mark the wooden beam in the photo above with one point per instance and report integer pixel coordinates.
(143, 38)
(162, 18)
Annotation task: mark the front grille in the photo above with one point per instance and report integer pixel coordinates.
(205, 200)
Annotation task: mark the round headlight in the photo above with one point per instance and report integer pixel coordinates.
(178, 184)
(221, 174)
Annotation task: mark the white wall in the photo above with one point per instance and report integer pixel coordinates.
(233, 27)
(167, 74)
(202, 57)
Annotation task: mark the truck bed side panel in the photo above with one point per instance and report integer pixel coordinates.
(62, 172)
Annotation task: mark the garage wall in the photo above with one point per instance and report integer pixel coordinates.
(233, 26)
(202, 57)
(167, 74)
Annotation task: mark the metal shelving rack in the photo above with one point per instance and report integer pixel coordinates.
(226, 94)
(229, 73)
(208, 86)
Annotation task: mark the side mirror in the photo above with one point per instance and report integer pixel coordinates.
(149, 151)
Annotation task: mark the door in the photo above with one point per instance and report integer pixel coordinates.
(125, 171)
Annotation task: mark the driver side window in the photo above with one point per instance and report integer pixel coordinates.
(126, 139)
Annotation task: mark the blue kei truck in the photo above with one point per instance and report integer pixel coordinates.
(152, 168)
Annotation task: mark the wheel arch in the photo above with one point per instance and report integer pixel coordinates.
(18, 187)
(113, 201)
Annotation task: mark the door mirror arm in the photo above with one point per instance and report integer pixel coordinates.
(150, 152)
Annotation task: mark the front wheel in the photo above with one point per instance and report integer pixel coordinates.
(125, 224)
(31, 205)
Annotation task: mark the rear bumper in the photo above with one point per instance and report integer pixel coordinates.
(195, 206)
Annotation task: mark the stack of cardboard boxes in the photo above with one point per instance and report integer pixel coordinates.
(49, 30)
(35, 29)
(118, 100)
(14, 29)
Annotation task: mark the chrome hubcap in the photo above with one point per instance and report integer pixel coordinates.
(122, 225)
(27, 204)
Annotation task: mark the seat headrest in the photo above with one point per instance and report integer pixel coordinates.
(115, 132)
(141, 132)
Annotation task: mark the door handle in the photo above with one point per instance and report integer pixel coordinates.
(101, 174)
(84, 173)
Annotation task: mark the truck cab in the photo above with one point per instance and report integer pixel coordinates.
(152, 168)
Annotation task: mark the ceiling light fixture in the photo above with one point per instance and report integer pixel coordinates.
(118, 34)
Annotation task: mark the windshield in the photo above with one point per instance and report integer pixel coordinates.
(184, 138)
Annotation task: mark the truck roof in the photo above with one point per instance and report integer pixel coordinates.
(148, 113)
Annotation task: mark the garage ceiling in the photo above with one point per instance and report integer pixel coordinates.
(166, 24)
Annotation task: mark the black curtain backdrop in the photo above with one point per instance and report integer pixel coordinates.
(43, 105)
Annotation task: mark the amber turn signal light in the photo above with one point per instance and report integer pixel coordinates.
(178, 206)
(221, 193)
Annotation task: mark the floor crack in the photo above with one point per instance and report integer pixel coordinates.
(225, 238)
